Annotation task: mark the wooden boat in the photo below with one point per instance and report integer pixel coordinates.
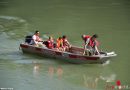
(74, 56)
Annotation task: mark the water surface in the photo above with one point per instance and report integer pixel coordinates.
(18, 18)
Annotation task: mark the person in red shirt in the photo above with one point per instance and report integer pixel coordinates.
(90, 44)
(50, 42)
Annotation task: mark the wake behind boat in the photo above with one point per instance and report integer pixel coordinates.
(75, 54)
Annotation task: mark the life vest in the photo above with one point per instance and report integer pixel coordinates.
(86, 38)
(50, 44)
(91, 43)
(59, 43)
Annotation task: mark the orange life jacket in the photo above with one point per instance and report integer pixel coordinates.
(59, 43)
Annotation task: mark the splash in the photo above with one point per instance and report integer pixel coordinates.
(109, 78)
(106, 63)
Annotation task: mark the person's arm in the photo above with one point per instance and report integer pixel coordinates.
(97, 50)
(40, 39)
(96, 47)
(86, 44)
(68, 43)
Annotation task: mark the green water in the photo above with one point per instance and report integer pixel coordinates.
(110, 19)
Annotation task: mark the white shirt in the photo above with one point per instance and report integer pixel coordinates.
(34, 40)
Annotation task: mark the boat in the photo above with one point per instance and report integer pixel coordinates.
(75, 54)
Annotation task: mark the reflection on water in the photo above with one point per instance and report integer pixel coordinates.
(58, 71)
(36, 69)
(37, 73)
(92, 82)
(51, 71)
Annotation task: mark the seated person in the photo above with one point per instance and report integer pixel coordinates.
(36, 40)
(60, 44)
(66, 43)
(50, 43)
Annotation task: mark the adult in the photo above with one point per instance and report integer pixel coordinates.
(91, 44)
(36, 40)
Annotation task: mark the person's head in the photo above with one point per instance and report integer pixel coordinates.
(83, 36)
(37, 33)
(50, 38)
(60, 38)
(64, 37)
(94, 36)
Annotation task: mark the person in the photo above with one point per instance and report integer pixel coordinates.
(66, 43)
(60, 44)
(50, 42)
(90, 44)
(36, 40)
(55, 47)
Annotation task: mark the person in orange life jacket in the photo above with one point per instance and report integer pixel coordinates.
(60, 44)
(36, 40)
(66, 43)
(50, 43)
(90, 44)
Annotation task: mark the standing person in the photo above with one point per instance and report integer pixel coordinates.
(66, 43)
(36, 40)
(90, 44)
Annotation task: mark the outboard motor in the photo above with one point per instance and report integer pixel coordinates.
(46, 43)
(28, 39)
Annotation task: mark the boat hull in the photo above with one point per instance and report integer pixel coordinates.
(65, 56)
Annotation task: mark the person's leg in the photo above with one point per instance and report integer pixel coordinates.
(90, 51)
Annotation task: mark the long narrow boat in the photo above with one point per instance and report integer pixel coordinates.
(74, 56)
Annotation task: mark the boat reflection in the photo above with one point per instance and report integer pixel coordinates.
(92, 82)
(36, 69)
(87, 77)
(58, 71)
(51, 71)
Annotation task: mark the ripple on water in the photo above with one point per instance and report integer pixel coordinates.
(14, 27)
